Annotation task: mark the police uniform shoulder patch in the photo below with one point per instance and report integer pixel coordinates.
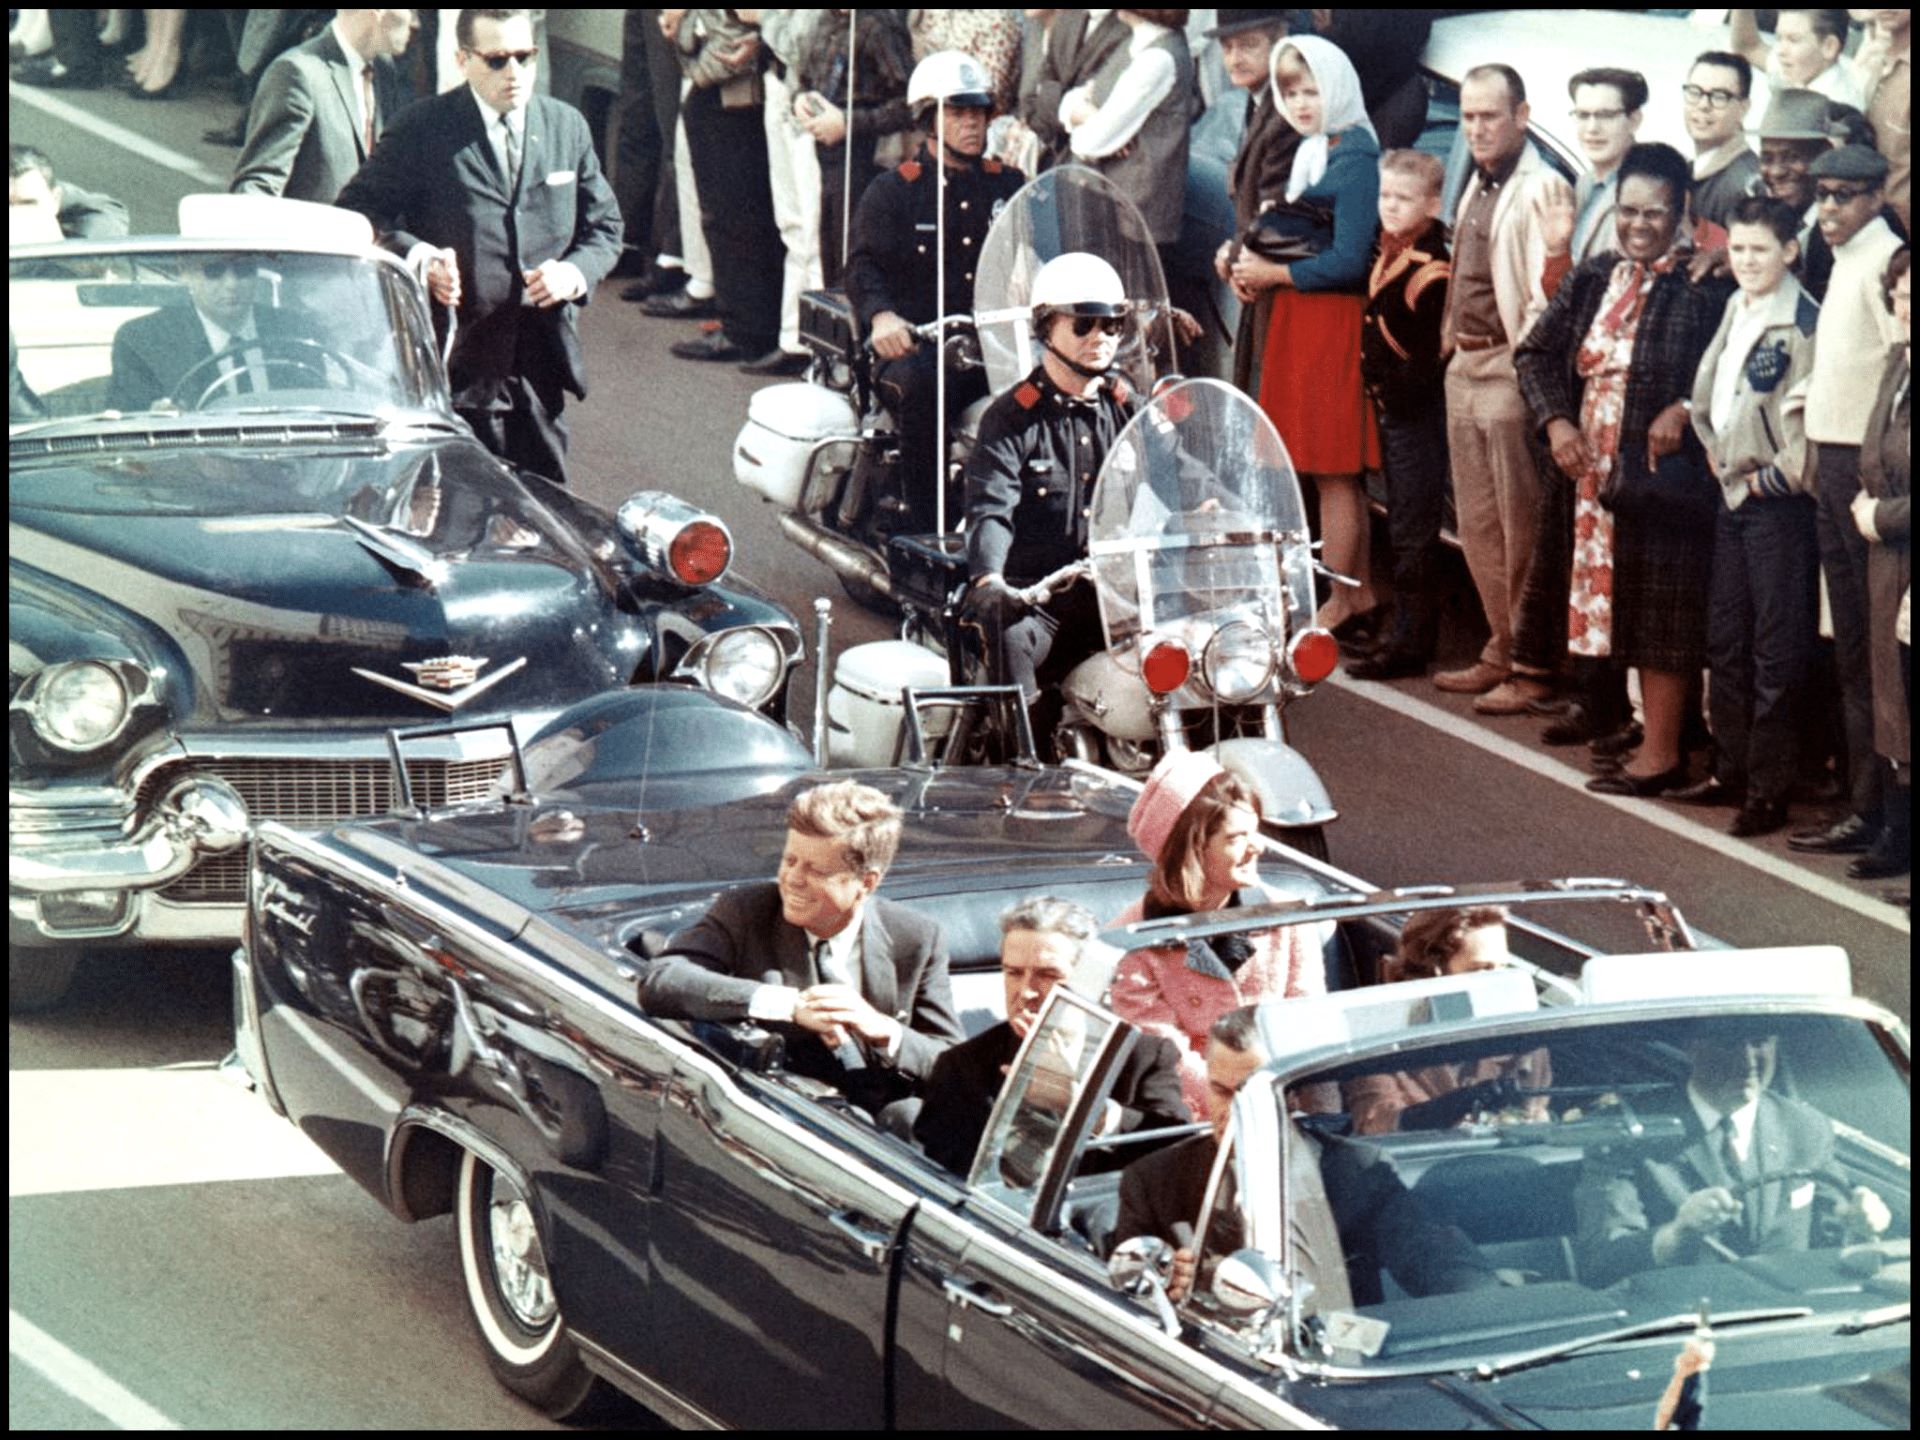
(909, 170)
(991, 166)
(1122, 393)
(1026, 394)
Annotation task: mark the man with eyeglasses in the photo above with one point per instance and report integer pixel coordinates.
(494, 196)
(1608, 106)
(152, 354)
(1030, 481)
(1850, 354)
(1718, 91)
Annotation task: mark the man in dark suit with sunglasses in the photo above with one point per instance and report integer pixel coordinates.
(1030, 481)
(153, 354)
(495, 196)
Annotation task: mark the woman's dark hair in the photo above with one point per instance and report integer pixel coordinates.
(1654, 161)
(1897, 265)
(1433, 937)
(1777, 215)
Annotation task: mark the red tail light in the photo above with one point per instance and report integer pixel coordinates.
(1313, 655)
(1165, 667)
(700, 553)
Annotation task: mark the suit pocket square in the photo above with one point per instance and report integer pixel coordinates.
(562, 177)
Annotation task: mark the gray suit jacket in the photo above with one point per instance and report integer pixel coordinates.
(303, 140)
(714, 965)
(1618, 1207)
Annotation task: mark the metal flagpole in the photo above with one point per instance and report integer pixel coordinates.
(939, 314)
(847, 197)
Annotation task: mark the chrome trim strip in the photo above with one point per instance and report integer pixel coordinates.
(647, 1391)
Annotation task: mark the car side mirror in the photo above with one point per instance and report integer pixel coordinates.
(1142, 1266)
(1247, 1284)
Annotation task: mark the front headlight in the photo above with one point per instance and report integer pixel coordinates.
(79, 705)
(1238, 662)
(743, 665)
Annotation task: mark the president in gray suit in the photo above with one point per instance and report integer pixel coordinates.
(321, 105)
(858, 984)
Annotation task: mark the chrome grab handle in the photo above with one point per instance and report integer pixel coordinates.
(871, 1243)
(970, 1296)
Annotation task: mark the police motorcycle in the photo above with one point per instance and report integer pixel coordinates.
(824, 451)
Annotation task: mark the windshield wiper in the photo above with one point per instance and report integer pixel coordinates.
(1641, 1330)
(1874, 1319)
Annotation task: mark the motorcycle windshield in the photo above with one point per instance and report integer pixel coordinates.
(1068, 209)
(1198, 523)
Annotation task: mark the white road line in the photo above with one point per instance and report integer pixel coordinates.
(1650, 813)
(130, 140)
(79, 1377)
(76, 1130)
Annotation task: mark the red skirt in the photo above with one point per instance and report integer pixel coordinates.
(1310, 383)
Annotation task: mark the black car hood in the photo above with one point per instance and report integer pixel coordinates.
(283, 571)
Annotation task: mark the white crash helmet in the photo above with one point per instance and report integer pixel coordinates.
(1077, 284)
(950, 75)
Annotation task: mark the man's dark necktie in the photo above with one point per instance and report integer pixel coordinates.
(513, 156)
(828, 971)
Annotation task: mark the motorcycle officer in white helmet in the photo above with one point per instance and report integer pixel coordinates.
(891, 264)
(1030, 481)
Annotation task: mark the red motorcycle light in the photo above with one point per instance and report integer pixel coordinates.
(700, 553)
(1165, 667)
(1313, 654)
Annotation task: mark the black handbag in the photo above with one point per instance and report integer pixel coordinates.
(1678, 487)
(1289, 231)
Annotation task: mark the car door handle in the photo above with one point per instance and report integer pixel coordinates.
(971, 1296)
(873, 1244)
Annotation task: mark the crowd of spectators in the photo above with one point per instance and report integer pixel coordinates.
(1668, 400)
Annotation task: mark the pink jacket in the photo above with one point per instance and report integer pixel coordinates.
(1165, 994)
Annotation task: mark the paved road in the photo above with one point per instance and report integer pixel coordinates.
(175, 1254)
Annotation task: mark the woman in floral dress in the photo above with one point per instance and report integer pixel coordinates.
(1618, 348)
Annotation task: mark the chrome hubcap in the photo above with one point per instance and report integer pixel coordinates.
(519, 1263)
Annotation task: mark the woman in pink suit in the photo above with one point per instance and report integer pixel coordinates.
(1199, 825)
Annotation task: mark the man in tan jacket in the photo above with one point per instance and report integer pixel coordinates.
(1500, 251)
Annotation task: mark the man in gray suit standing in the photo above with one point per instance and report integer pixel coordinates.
(321, 105)
(858, 984)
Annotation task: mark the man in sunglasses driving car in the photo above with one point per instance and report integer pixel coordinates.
(153, 354)
(1030, 481)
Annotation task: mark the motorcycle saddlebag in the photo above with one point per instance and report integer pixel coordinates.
(926, 569)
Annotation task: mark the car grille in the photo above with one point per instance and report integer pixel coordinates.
(309, 792)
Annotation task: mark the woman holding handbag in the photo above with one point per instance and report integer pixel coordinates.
(1311, 251)
(1608, 372)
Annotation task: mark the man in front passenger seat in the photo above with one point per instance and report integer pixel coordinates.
(1380, 1226)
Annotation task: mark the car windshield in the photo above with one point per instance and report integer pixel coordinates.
(1462, 1203)
(190, 332)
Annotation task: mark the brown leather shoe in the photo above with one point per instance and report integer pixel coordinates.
(1513, 696)
(1476, 679)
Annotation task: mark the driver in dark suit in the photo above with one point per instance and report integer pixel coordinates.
(858, 984)
(153, 354)
(1744, 1183)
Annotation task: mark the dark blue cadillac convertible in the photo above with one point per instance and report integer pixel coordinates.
(231, 570)
(445, 1001)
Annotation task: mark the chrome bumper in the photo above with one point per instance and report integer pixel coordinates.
(48, 860)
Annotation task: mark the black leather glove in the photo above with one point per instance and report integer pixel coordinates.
(1443, 1112)
(991, 599)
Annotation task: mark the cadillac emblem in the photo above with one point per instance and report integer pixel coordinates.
(446, 683)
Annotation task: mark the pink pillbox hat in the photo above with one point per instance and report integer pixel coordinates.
(1179, 777)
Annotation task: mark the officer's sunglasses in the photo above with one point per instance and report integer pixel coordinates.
(1085, 325)
(497, 59)
(221, 269)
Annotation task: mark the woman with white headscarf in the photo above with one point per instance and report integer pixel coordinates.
(1310, 381)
